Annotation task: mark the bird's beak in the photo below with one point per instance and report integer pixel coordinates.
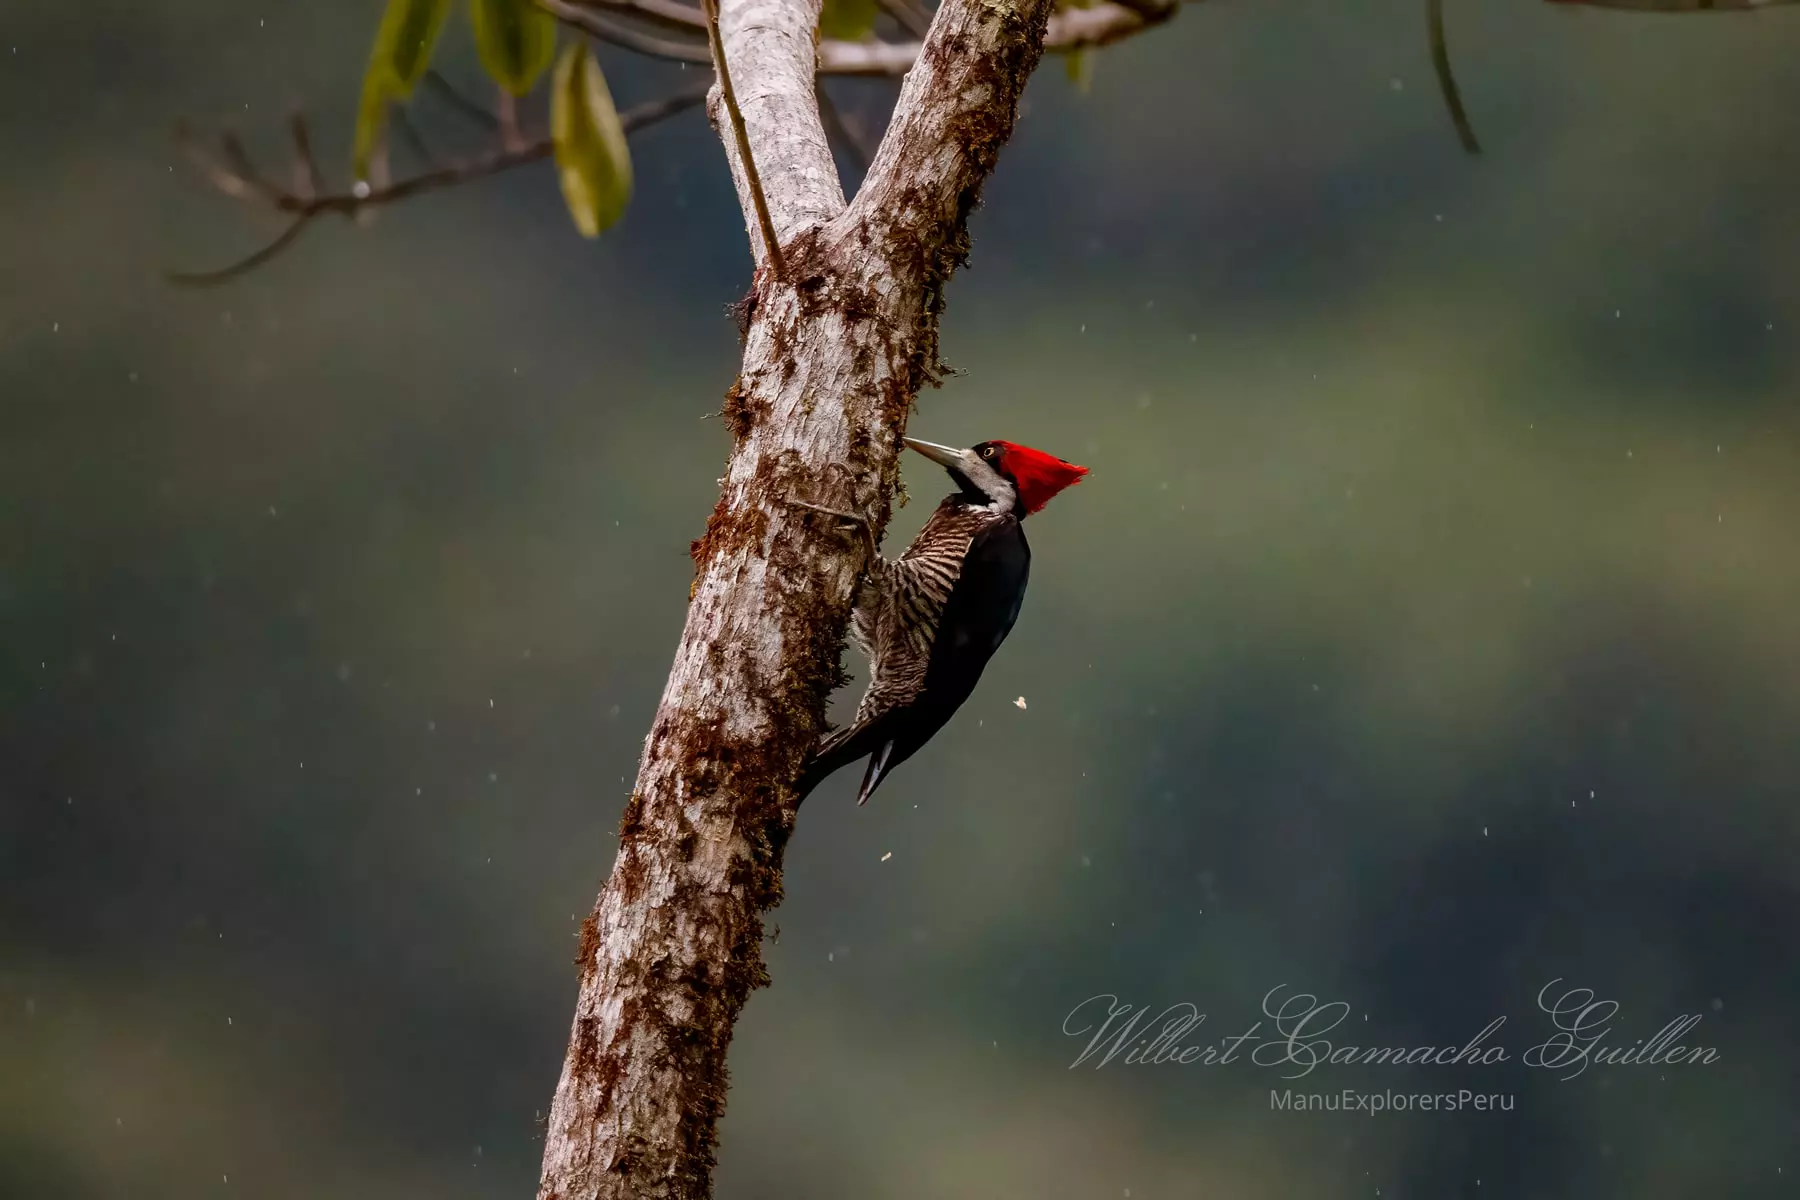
(943, 456)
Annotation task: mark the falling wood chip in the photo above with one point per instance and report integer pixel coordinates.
(887, 856)
(1019, 703)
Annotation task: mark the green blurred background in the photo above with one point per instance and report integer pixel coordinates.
(1426, 631)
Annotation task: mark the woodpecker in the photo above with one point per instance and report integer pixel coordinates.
(930, 620)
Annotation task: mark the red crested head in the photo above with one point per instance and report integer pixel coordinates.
(1003, 475)
(1037, 476)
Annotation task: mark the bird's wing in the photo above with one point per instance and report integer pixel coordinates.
(897, 619)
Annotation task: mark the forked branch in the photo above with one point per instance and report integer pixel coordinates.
(228, 166)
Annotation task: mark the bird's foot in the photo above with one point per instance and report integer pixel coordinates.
(861, 522)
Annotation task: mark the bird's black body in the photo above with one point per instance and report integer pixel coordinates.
(982, 605)
(931, 619)
(981, 611)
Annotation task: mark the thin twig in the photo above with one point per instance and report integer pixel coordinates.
(507, 108)
(229, 182)
(243, 265)
(304, 207)
(449, 174)
(608, 30)
(839, 130)
(1150, 10)
(1069, 30)
(652, 111)
(1440, 61)
(410, 134)
(239, 161)
(446, 176)
(446, 91)
(307, 179)
(751, 178)
(912, 19)
(671, 14)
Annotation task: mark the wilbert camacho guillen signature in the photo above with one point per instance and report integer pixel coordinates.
(1293, 1035)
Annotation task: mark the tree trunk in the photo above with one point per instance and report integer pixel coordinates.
(834, 354)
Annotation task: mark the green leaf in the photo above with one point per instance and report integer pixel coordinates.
(1080, 66)
(516, 40)
(593, 162)
(848, 20)
(403, 44)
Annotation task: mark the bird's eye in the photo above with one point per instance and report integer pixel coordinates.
(987, 452)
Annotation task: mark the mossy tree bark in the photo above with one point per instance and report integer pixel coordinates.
(834, 353)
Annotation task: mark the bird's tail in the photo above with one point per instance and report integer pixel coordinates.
(841, 748)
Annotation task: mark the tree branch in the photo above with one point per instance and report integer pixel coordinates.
(939, 142)
(1070, 30)
(833, 358)
(781, 115)
(238, 178)
(821, 199)
(746, 158)
(248, 263)
(670, 14)
(606, 29)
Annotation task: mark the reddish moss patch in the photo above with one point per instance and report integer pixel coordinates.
(743, 412)
(744, 312)
(589, 945)
(729, 530)
(631, 821)
(584, 1059)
